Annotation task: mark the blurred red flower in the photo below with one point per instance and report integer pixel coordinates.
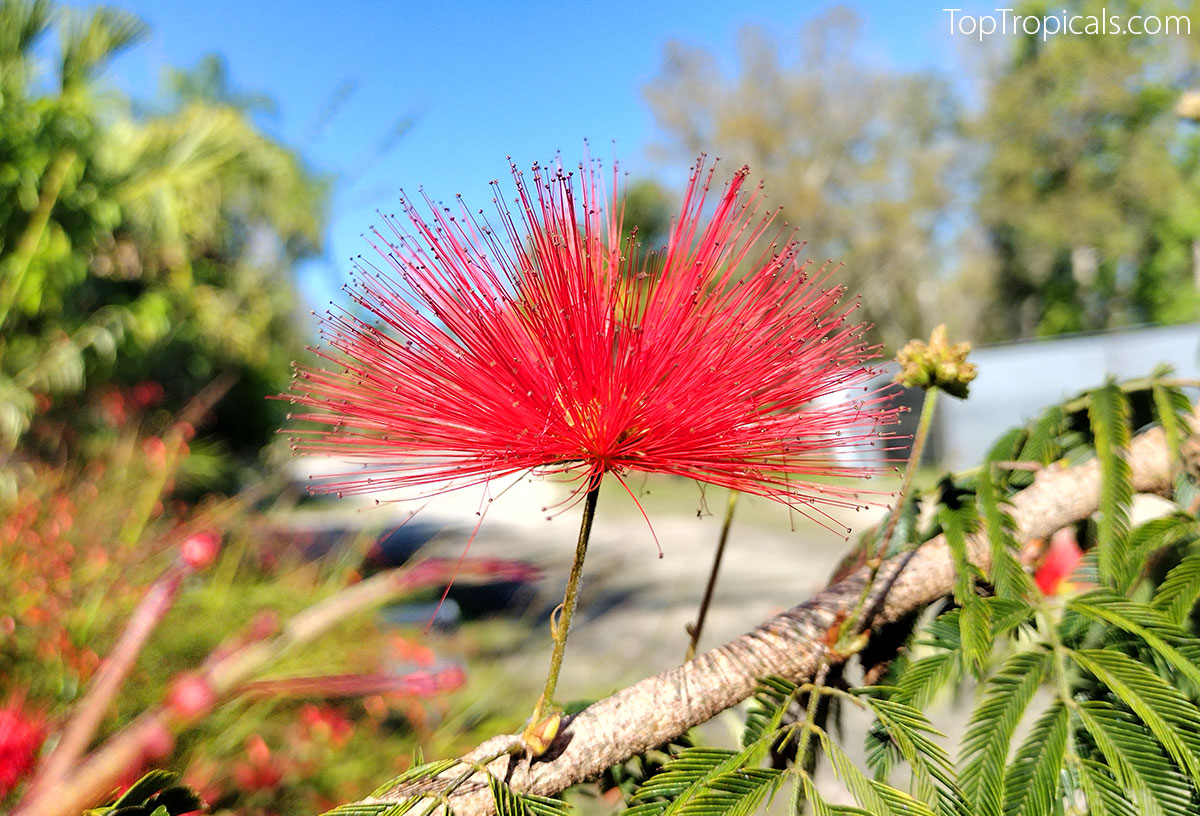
(326, 724)
(112, 407)
(550, 343)
(147, 394)
(1062, 557)
(407, 650)
(21, 735)
(260, 771)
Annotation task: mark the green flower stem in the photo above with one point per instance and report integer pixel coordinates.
(562, 626)
(914, 460)
(857, 622)
(815, 691)
(695, 629)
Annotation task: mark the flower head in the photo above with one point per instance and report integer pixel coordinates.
(541, 340)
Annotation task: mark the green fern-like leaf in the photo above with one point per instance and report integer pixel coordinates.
(687, 776)
(372, 809)
(509, 802)
(1172, 410)
(923, 678)
(1008, 446)
(1178, 592)
(1105, 795)
(911, 733)
(807, 792)
(873, 796)
(157, 793)
(427, 770)
(975, 629)
(957, 524)
(1031, 783)
(976, 622)
(141, 790)
(1108, 410)
(1151, 782)
(990, 730)
(1008, 615)
(1044, 442)
(734, 793)
(1177, 648)
(1169, 532)
(1008, 576)
(1159, 705)
(771, 700)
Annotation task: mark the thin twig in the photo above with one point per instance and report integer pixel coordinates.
(695, 629)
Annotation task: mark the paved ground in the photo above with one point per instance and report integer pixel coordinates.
(634, 605)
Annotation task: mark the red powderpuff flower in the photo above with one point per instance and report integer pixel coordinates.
(21, 735)
(547, 342)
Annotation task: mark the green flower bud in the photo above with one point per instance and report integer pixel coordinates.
(936, 364)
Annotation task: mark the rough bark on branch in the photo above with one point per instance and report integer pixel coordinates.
(659, 708)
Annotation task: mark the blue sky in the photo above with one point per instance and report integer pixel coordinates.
(467, 83)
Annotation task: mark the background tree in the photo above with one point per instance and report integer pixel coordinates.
(1088, 192)
(862, 160)
(141, 247)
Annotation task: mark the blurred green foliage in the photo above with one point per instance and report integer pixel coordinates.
(1058, 193)
(139, 246)
(1090, 191)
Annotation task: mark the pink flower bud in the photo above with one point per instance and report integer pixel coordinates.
(200, 549)
(157, 743)
(191, 697)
